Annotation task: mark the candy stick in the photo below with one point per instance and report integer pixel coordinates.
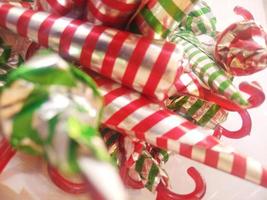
(58, 7)
(148, 66)
(200, 20)
(115, 13)
(160, 17)
(136, 116)
(201, 112)
(208, 71)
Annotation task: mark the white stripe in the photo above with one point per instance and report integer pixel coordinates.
(107, 88)
(194, 136)
(12, 18)
(147, 65)
(117, 104)
(138, 116)
(225, 162)
(254, 170)
(34, 25)
(56, 31)
(100, 50)
(78, 40)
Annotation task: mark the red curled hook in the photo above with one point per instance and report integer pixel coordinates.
(6, 153)
(127, 180)
(257, 97)
(242, 132)
(64, 184)
(243, 12)
(200, 189)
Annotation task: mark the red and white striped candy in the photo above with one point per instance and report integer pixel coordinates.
(148, 66)
(114, 13)
(130, 113)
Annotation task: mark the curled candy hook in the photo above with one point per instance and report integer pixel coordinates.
(64, 184)
(242, 132)
(200, 189)
(256, 97)
(243, 12)
(6, 153)
(127, 180)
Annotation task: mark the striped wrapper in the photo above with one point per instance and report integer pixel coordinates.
(114, 13)
(146, 161)
(159, 18)
(207, 70)
(199, 111)
(242, 48)
(132, 114)
(200, 20)
(148, 66)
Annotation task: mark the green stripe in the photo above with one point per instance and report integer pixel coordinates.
(213, 77)
(195, 107)
(204, 69)
(188, 23)
(196, 52)
(139, 164)
(224, 85)
(154, 23)
(154, 171)
(175, 12)
(237, 97)
(200, 12)
(202, 27)
(209, 115)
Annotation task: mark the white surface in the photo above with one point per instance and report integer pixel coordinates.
(221, 186)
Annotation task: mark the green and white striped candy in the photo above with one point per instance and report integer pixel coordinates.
(200, 20)
(159, 18)
(206, 69)
(49, 108)
(199, 111)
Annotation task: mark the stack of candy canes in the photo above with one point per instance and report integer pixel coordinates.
(124, 84)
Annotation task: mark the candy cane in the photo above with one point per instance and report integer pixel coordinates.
(130, 113)
(148, 66)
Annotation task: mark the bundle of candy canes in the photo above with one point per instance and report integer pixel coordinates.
(139, 81)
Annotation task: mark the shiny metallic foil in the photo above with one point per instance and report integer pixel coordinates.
(114, 13)
(49, 108)
(242, 48)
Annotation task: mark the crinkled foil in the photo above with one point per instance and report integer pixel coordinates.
(242, 48)
(51, 108)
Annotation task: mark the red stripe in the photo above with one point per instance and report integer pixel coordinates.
(144, 27)
(207, 143)
(106, 19)
(4, 9)
(23, 22)
(188, 125)
(122, 6)
(239, 166)
(159, 69)
(212, 158)
(110, 96)
(66, 37)
(264, 177)
(186, 150)
(173, 134)
(90, 45)
(43, 33)
(135, 61)
(113, 53)
(148, 123)
(121, 114)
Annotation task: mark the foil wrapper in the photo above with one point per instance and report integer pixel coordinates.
(51, 108)
(207, 69)
(148, 66)
(200, 20)
(115, 13)
(158, 18)
(242, 48)
(136, 116)
(199, 111)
